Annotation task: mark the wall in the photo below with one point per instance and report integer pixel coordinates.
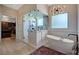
(72, 22)
(43, 8)
(0, 9)
(21, 12)
(7, 11)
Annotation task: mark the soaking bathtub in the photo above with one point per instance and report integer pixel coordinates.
(60, 44)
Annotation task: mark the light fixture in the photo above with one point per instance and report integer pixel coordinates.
(56, 9)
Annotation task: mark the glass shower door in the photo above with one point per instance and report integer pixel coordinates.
(34, 27)
(25, 29)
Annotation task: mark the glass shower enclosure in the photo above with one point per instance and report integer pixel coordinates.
(34, 27)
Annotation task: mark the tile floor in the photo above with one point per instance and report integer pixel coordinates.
(9, 46)
(46, 51)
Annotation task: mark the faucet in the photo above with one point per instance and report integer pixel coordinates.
(76, 48)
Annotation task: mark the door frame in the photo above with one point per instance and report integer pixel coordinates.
(15, 27)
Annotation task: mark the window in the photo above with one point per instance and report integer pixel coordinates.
(60, 21)
(40, 22)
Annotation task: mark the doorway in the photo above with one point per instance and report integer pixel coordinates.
(8, 28)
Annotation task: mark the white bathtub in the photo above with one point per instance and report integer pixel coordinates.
(60, 44)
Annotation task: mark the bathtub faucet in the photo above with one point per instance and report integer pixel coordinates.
(76, 46)
(73, 34)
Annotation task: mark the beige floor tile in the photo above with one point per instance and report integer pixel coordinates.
(9, 46)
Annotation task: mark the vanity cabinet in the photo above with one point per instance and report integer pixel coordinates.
(41, 35)
(36, 38)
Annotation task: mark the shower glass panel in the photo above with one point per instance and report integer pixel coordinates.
(34, 22)
(25, 28)
(40, 23)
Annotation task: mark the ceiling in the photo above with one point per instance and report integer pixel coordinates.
(14, 6)
(17, 6)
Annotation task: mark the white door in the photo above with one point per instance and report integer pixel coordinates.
(25, 29)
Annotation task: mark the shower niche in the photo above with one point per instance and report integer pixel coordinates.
(34, 27)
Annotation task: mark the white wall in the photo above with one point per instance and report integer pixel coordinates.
(43, 8)
(72, 22)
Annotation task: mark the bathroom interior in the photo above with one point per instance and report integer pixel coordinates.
(39, 29)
